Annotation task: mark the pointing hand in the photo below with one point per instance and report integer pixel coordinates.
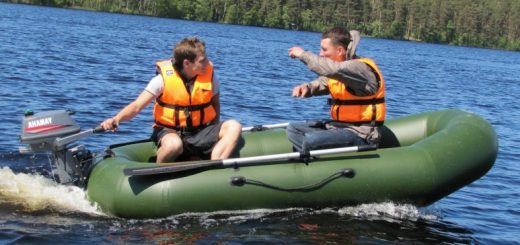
(295, 52)
(301, 91)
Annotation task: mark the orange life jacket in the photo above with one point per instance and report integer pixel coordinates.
(178, 109)
(349, 108)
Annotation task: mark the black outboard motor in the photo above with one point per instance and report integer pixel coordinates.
(54, 131)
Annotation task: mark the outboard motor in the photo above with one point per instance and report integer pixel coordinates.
(54, 131)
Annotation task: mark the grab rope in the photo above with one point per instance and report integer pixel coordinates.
(241, 181)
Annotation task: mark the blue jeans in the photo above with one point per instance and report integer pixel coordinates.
(312, 135)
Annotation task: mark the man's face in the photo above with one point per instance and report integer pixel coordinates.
(199, 65)
(329, 50)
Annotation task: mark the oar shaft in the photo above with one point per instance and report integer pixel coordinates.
(342, 150)
(263, 127)
(259, 159)
(244, 161)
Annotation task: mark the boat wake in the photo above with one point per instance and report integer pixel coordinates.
(389, 212)
(36, 193)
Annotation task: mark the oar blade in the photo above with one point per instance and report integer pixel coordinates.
(171, 168)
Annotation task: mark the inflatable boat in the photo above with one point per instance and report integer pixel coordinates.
(421, 159)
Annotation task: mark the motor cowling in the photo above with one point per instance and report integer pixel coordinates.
(40, 130)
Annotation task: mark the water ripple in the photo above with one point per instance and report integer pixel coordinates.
(96, 63)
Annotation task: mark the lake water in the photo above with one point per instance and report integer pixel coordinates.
(95, 63)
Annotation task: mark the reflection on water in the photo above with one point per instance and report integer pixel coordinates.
(295, 226)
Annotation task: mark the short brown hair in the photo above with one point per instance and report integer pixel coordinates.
(188, 48)
(338, 36)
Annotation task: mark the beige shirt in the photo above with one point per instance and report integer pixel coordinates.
(355, 74)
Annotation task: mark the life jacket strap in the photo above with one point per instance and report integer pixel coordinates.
(187, 112)
(340, 124)
(331, 101)
(184, 130)
(189, 108)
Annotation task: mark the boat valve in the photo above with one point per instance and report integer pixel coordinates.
(349, 173)
(238, 180)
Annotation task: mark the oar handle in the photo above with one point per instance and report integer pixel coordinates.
(367, 147)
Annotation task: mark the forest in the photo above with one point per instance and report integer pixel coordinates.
(476, 23)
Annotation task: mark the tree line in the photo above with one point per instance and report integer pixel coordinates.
(478, 23)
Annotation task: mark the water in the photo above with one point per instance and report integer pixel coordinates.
(95, 63)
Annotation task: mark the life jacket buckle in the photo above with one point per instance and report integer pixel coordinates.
(187, 113)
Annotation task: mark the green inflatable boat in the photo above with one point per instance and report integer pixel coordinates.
(421, 159)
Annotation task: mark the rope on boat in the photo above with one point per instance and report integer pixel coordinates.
(241, 181)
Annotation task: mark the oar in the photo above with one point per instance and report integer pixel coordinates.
(264, 127)
(238, 162)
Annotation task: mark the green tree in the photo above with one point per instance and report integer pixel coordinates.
(481, 23)
(232, 15)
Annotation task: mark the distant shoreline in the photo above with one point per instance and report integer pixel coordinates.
(466, 23)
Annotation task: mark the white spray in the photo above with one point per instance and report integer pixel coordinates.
(36, 193)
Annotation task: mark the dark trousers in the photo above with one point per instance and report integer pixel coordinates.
(312, 135)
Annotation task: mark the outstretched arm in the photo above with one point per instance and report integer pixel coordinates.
(130, 111)
(354, 74)
(316, 87)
